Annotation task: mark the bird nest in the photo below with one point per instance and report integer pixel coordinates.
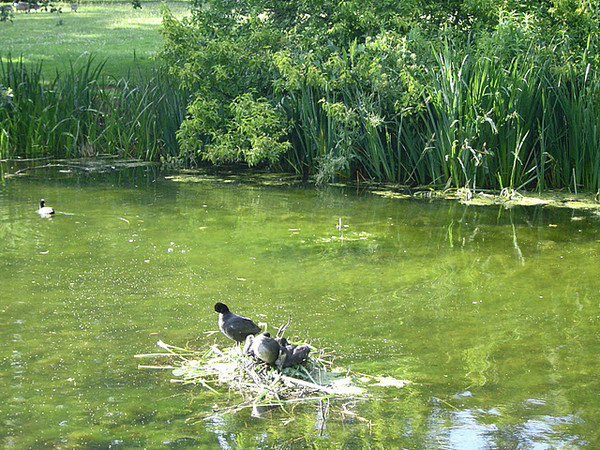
(260, 385)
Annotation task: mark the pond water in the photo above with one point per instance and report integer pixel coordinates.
(492, 314)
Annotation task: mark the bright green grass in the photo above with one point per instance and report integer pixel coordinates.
(126, 38)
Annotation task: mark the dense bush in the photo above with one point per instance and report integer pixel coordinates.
(460, 93)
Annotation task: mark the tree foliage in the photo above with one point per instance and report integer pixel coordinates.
(349, 87)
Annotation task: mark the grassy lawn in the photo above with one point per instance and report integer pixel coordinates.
(126, 38)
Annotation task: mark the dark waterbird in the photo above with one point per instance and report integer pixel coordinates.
(233, 326)
(45, 210)
(291, 355)
(263, 347)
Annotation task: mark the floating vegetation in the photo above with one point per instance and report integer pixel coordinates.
(549, 199)
(349, 237)
(262, 386)
(237, 174)
(506, 198)
(96, 165)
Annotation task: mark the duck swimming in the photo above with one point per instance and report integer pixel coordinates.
(44, 210)
(235, 327)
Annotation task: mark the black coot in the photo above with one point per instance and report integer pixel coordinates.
(233, 326)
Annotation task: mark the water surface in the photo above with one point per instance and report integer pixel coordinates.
(492, 314)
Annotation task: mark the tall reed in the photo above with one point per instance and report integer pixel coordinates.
(82, 113)
(577, 150)
(480, 122)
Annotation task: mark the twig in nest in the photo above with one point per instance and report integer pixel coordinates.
(282, 328)
(346, 412)
(307, 384)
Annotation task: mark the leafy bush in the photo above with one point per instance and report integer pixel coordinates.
(251, 131)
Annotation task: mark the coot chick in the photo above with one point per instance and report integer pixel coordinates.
(233, 326)
(291, 355)
(263, 347)
(299, 354)
(45, 210)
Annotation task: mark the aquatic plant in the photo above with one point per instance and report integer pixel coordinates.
(81, 113)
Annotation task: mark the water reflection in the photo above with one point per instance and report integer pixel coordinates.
(475, 429)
